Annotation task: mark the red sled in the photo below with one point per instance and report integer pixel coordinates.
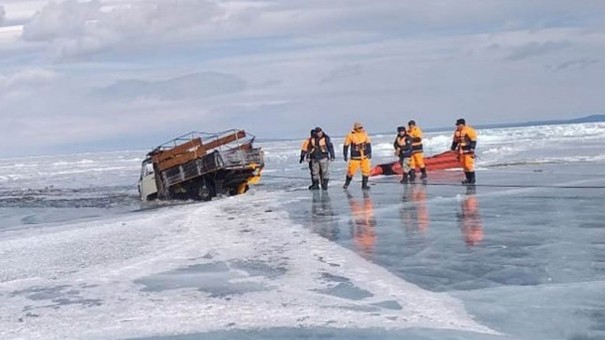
(441, 161)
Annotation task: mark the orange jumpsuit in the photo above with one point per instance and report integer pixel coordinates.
(359, 143)
(465, 140)
(417, 157)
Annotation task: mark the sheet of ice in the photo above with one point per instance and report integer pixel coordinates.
(81, 257)
(509, 249)
(234, 263)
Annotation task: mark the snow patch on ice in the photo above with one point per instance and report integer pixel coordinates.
(232, 263)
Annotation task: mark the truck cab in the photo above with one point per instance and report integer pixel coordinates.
(147, 186)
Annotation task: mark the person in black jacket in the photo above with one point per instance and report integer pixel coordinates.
(321, 151)
(403, 147)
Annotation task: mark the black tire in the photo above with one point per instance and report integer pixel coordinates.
(207, 190)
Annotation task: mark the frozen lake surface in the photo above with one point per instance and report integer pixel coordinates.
(521, 256)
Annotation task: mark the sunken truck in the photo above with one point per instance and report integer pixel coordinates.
(201, 166)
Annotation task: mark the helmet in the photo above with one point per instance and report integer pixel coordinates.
(401, 128)
(460, 121)
(411, 122)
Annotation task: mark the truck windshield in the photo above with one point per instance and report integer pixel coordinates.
(147, 168)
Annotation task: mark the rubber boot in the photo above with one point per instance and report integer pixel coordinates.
(424, 175)
(365, 180)
(467, 180)
(412, 176)
(313, 179)
(405, 178)
(315, 185)
(348, 180)
(325, 184)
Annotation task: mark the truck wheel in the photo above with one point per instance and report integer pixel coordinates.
(206, 192)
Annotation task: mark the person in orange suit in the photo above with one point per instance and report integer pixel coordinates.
(464, 142)
(470, 218)
(417, 155)
(358, 143)
(414, 212)
(363, 224)
(305, 157)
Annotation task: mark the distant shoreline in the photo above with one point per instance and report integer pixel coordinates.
(587, 119)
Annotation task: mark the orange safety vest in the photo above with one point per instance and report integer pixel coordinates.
(417, 135)
(359, 143)
(311, 147)
(320, 149)
(404, 145)
(464, 139)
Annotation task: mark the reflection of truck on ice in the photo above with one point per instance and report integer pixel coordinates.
(201, 166)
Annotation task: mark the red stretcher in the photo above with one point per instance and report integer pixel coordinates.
(441, 161)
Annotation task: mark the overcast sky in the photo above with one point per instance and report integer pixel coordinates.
(120, 74)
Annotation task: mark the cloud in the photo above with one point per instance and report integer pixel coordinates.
(76, 28)
(345, 71)
(534, 49)
(68, 19)
(79, 29)
(27, 78)
(288, 63)
(191, 86)
(578, 63)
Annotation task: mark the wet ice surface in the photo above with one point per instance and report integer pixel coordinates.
(172, 271)
(523, 262)
(526, 261)
(80, 257)
(60, 188)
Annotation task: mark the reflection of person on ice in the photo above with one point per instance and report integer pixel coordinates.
(322, 216)
(465, 141)
(363, 223)
(320, 151)
(359, 145)
(470, 218)
(417, 155)
(403, 147)
(414, 212)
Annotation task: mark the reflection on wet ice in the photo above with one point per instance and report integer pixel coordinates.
(469, 219)
(414, 214)
(362, 223)
(323, 220)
